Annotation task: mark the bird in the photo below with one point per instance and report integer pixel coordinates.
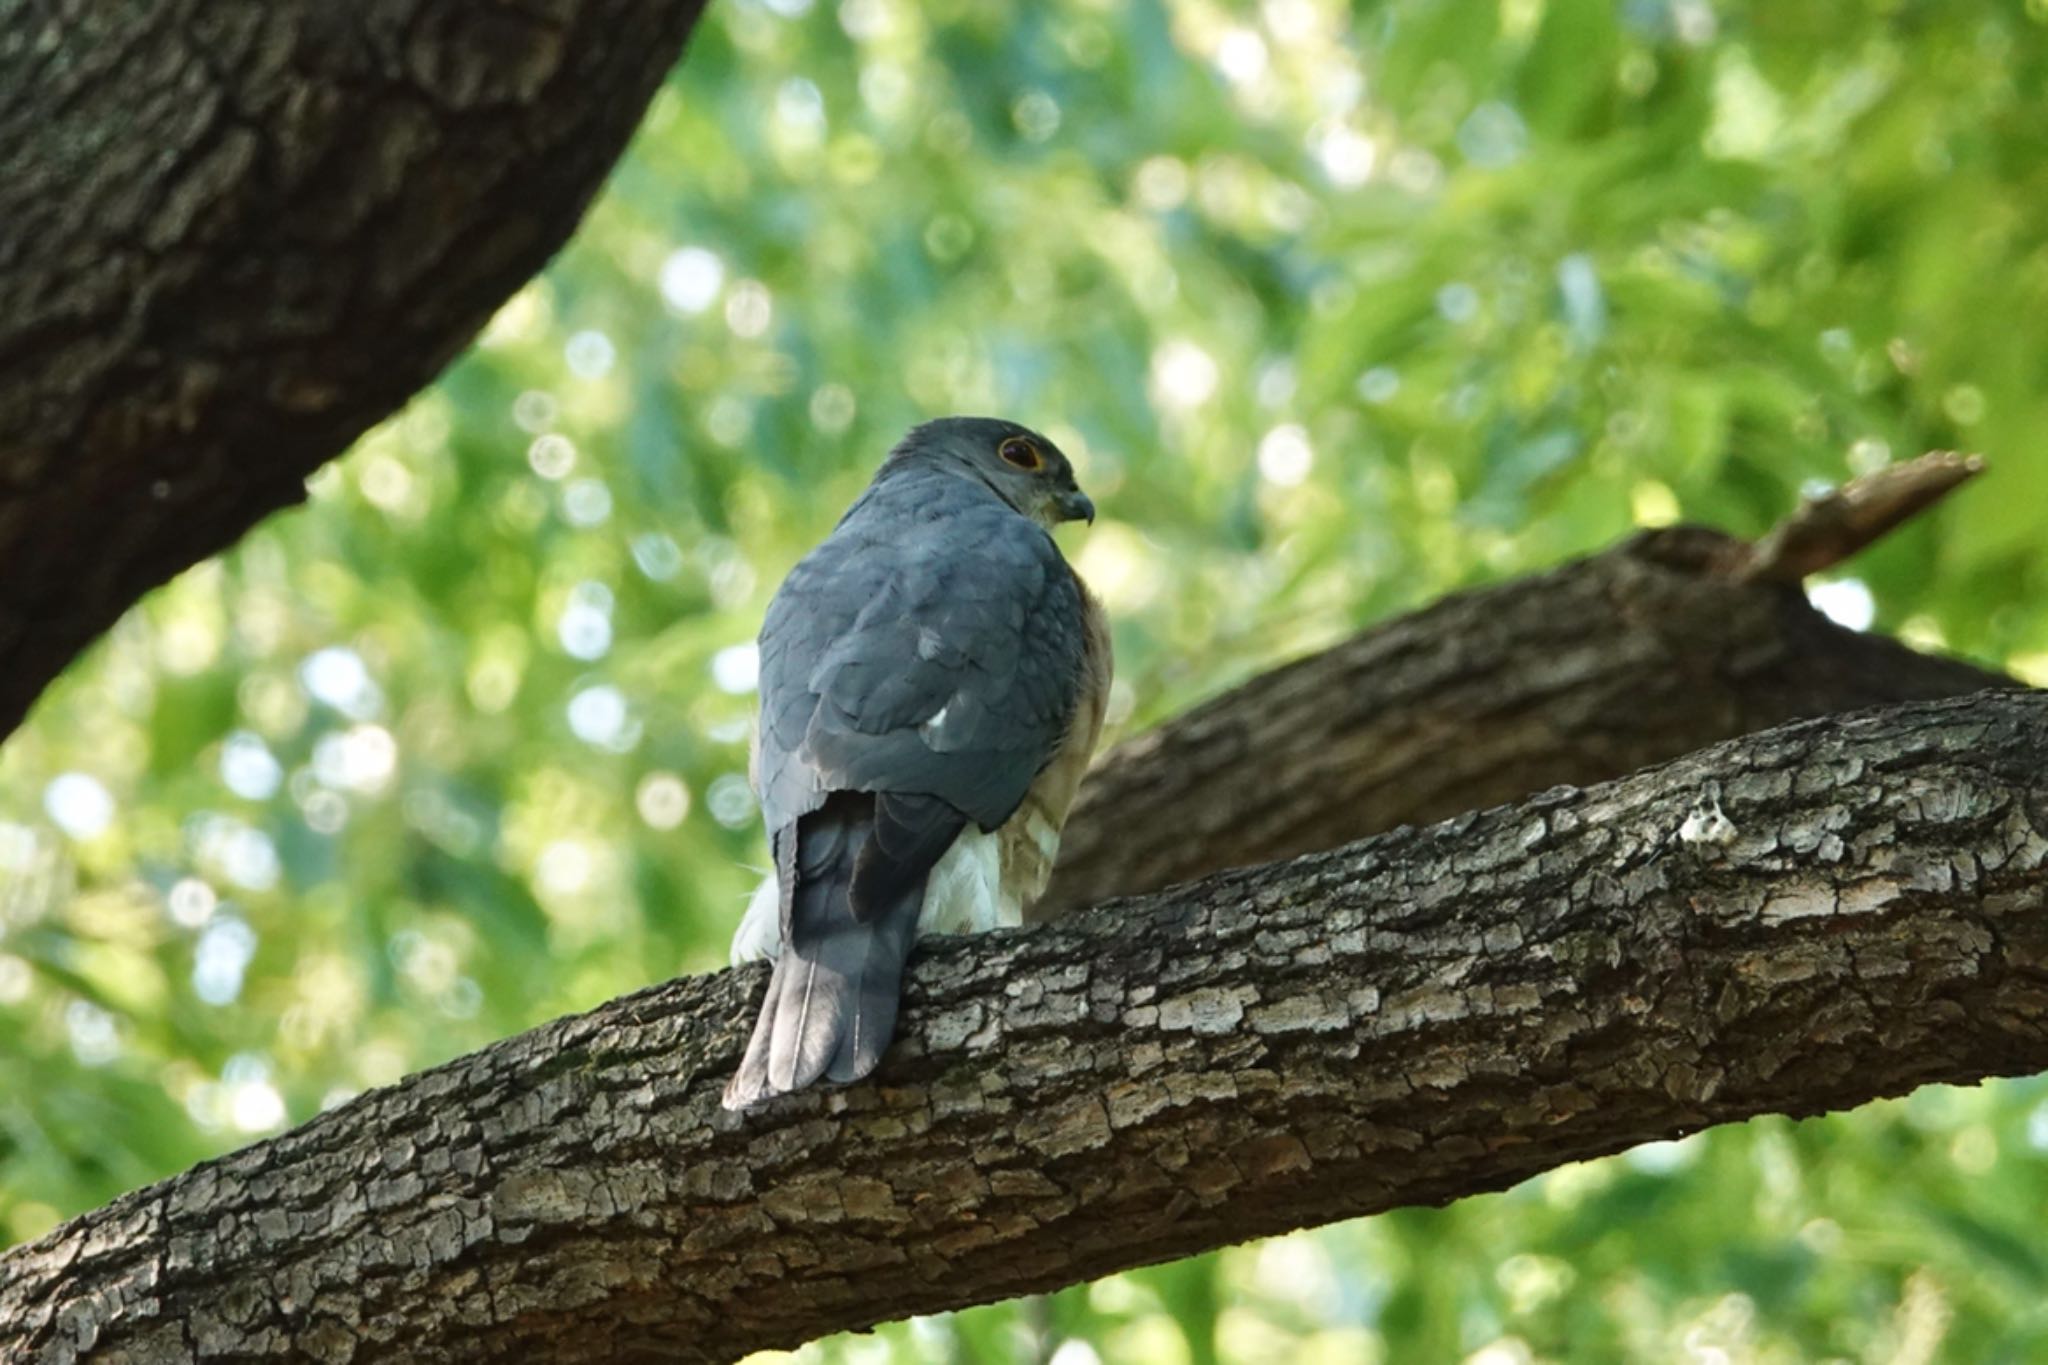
(933, 677)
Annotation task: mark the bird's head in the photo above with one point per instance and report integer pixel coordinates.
(1018, 465)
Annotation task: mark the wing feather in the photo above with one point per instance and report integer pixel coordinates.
(936, 654)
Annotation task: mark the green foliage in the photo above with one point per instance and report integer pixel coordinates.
(1339, 311)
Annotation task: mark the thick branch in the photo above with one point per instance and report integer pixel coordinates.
(1791, 922)
(234, 233)
(1635, 656)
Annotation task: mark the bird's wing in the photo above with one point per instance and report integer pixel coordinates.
(932, 658)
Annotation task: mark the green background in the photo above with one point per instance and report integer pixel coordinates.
(1338, 310)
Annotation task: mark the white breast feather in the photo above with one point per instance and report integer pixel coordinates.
(760, 933)
(965, 893)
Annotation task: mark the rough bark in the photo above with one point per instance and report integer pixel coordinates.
(234, 233)
(1658, 647)
(1790, 922)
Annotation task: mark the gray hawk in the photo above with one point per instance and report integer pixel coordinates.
(933, 677)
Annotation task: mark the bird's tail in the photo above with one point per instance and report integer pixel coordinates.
(852, 877)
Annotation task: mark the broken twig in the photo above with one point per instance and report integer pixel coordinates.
(1828, 529)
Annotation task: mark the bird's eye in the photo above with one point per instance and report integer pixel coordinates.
(1021, 453)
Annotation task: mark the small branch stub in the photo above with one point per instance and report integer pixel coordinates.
(1837, 524)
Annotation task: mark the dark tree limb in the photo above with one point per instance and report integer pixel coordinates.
(1653, 649)
(1791, 922)
(235, 233)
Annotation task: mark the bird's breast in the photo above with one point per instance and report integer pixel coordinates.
(965, 893)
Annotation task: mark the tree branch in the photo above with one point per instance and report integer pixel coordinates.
(1653, 649)
(1794, 921)
(234, 233)
(1835, 525)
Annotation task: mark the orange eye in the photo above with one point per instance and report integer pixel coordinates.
(1021, 453)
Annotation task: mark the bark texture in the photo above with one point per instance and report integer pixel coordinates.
(1658, 647)
(235, 233)
(1794, 921)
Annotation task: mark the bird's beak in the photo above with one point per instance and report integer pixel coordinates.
(1076, 506)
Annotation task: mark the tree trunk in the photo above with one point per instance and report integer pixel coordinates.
(1794, 921)
(235, 233)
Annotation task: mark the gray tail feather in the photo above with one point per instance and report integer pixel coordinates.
(853, 877)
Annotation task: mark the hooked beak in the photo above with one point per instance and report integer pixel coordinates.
(1076, 506)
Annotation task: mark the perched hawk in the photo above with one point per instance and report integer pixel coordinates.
(933, 678)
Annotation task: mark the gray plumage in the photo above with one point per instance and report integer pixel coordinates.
(918, 669)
